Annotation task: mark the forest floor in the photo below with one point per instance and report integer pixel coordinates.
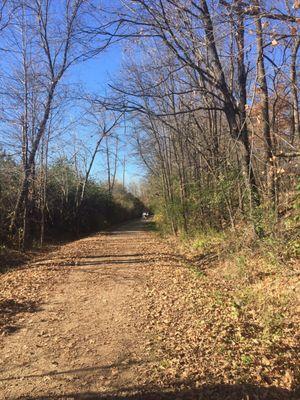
(122, 315)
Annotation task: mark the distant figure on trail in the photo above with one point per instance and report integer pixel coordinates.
(145, 215)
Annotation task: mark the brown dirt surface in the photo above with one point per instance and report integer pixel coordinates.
(121, 315)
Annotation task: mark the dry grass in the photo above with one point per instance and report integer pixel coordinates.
(228, 314)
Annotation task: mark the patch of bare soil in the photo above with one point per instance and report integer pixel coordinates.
(120, 315)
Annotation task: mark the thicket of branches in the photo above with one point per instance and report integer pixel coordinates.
(213, 90)
(62, 217)
(46, 170)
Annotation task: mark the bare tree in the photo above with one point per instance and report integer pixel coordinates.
(104, 131)
(55, 30)
(189, 80)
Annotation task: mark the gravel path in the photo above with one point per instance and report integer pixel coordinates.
(84, 339)
(121, 315)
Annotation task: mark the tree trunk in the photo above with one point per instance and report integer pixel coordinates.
(295, 131)
(263, 90)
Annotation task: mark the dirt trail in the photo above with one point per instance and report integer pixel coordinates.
(85, 338)
(122, 315)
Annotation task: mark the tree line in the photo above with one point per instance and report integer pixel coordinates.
(47, 184)
(213, 90)
(210, 92)
(60, 211)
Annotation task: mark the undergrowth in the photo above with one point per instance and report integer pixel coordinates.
(246, 300)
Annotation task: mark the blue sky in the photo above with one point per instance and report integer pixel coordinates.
(95, 76)
(96, 73)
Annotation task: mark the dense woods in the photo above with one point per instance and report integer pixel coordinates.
(58, 211)
(186, 111)
(214, 96)
(210, 90)
(47, 184)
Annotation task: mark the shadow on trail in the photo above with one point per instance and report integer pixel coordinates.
(76, 371)
(110, 262)
(9, 309)
(146, 258)
(177, 390)
(97, 256)
(207, 392)
(199, 263)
